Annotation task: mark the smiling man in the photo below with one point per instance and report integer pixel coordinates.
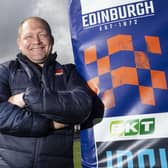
(40, 101)
(35, 40)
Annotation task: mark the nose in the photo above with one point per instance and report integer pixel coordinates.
(37, 39)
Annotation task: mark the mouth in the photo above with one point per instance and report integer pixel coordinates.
(37, 49)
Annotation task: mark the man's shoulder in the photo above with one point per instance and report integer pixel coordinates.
(5, 70)
(66, 67)
(7, 63)
(6, 66)
(69, 65)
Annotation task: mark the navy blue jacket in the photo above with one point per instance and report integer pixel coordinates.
(55, 92)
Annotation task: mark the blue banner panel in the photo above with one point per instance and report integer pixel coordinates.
(121, 50)
(149, 153)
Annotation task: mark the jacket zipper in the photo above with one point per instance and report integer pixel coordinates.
(37, 144)
(36, 153)
(43, 87)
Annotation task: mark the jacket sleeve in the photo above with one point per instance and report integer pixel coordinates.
(13, 119)
(72, 106)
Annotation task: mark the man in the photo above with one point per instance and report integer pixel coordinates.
(40, 101)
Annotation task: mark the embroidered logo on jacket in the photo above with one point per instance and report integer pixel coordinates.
(59, 71)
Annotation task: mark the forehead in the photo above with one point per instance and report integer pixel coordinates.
(32, 25)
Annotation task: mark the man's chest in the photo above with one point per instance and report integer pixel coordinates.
(52, 80)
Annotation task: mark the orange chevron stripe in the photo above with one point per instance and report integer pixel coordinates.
(94, 84)
(119, 43)
(103, 65)
(124, 75)
(90, 55)
(158, 79)
(147, 95)
(141, 60)
(108, 99)
(153, 44)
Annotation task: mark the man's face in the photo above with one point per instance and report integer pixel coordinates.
(34, 41)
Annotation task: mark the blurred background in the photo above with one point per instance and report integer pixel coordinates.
(54, 11)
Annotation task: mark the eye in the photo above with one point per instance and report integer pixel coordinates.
(43, 35)
(28, 37)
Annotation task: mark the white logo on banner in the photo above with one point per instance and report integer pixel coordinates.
(89, 6)
(114, 13)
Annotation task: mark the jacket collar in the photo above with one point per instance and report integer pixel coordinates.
(51, 59)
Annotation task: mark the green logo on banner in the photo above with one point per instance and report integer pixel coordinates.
(132, 127)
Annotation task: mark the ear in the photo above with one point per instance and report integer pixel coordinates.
(52, 40)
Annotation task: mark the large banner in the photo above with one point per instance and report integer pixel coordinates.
(121, 49)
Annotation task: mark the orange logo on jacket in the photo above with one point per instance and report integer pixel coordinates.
(59, 71)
